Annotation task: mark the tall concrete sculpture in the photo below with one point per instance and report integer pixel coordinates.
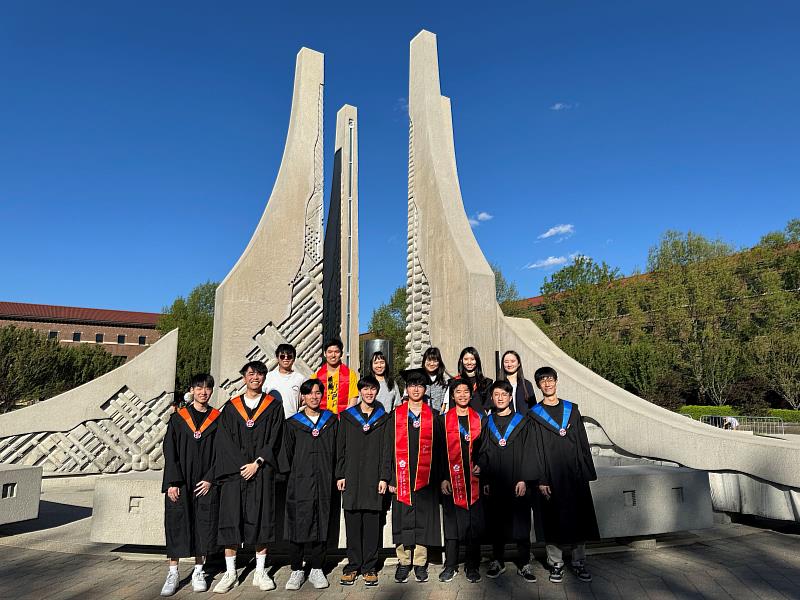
(451, 304)
(273, 294)
(340, 271)
(112, 424)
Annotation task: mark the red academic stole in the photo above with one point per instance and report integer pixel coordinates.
(401, 455)
(454, 460)
(266, 400)
(212, 416)
(343, 394)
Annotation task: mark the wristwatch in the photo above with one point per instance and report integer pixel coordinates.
(260, 461)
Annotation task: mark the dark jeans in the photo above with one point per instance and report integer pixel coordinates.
(523, 551)
(296, 552)
(472, 555)
(364, 534)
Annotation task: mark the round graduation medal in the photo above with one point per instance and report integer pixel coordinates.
(315, 432)
(197, 435)
(416, 424)
(467, 437)
(365, 427)
(562, 432)
(249, 422)
(502, 442)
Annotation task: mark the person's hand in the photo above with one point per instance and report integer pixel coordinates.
(486, 490)
(545, 491)
(173, 493)
(248, 470)
(519, 489)
(447, 488)
(340, 484)
(392, 489)
(352, 402)
(476, 470)
(202, 487)
(382, 485)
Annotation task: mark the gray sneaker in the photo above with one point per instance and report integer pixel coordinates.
(296, 580)
(171, 584)
(229, 581)
(318, 579)
(199, 581)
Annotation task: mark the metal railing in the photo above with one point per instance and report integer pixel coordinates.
(758, 425)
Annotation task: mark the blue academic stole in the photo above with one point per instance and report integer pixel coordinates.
(464, 432)
(544, 416)
(502, 440)
(367, 425)
(301, 417)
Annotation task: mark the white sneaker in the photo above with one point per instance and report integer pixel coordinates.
(229, 581)
(262, 579)
(171, 584)
(296, 579)
(199, 581)
(318, 579)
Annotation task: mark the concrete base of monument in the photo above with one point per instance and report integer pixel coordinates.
(629, 501)
(20, 489)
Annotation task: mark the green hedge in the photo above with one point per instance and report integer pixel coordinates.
(697, 411)
(788, 415)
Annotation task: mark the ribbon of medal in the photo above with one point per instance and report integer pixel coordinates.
(198, 433)
(502, 440)
(237, 403)
(302, 418)
(540, 412)
(377, 413)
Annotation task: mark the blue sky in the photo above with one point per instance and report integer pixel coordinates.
(139, 141)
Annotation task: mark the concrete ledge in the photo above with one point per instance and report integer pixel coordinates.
(647, 500)
(20, 489)
(129, 509)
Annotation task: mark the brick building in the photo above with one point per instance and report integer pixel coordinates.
(121, 332)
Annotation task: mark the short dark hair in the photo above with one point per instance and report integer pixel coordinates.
(368, 381)
(333, 342)
(454, 383)
(501, 384)
(285, 349)
(308, 386)
(256, 365)
(202, 380)
(415, 378)
(543, 372)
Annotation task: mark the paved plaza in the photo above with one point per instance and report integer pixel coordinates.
(51, 558)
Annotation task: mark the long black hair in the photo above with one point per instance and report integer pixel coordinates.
(387, 374)
(502, 376)
(433, 352)
(462, 372)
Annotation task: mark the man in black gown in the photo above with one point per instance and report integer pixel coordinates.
(566, 468)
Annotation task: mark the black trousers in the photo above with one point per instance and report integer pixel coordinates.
(523, 551)
(472, 555)
(296, 553)
(364, 538)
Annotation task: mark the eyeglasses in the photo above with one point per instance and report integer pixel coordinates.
(284, 355)
(410, 385)
(547, 380)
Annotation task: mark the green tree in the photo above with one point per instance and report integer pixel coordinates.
(194, 316)
(779, 360)
(388, 322)
(34, 368)
(676, 249)
(583, 271)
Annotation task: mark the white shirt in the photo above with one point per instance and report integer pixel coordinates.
(251, 402)
(288, 387)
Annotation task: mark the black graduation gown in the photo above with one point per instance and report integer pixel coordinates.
(312, 501)
(565, 464)
(190, 524)
(420, 522)
(501, 469)
(359, 456)
(247, 508)
(460, 524)
(481, 400)
(522, 404)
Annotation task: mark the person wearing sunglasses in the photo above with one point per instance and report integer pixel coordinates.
(284, 382)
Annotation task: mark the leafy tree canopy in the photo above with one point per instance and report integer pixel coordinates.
(676, 249)
(581, 272)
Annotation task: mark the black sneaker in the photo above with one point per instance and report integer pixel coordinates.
(421, 574)
(556, 573)
(473, 575)
(581, 573)
(402, 572)
(496, 568)
(447, 574)
(526, 572)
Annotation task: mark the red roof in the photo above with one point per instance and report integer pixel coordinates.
(19, 311)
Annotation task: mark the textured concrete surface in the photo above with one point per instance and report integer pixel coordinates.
(268, 299)
(451, 304)
(114, 423)
(340, 268)
(20, 488)
(128, 509)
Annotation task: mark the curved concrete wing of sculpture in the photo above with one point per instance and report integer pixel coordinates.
(110, 424)
(273, 294)
(451, 304)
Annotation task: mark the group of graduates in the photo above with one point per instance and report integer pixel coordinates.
(481, 458)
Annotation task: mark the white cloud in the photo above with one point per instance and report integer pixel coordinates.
(550, 261)
(484, 216)
(563, 106)
(473, 222)
(566, 229)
